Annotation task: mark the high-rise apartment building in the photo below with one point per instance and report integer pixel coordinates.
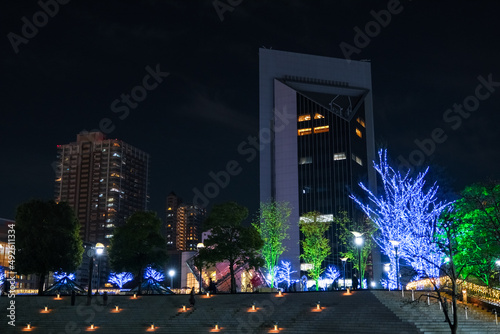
(104, 180)
(189, 220)
(182, 229)
(316, 136)
(170, 227)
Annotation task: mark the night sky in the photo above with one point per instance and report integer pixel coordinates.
(71, 74)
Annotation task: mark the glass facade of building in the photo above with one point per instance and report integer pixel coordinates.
(331, 162)
(320, 114)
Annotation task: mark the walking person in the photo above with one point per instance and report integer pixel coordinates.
(192, 300)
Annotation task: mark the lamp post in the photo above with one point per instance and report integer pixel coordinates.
(344, 260)
(99, 250)
(387, 268)
(358, 240)
(171, 273)
(199, 247)
(93, 251)
(396, 244)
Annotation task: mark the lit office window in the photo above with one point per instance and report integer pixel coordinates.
(303, 132)
(320, 129)
(303, 118)
(357, 159)
(361, 121)
(339, 156)
(305, 160)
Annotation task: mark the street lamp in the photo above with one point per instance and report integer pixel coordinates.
(99, 250)
(387, 269)
(396, 244)
(171, 273)
(344, 260)
(358, 240)
(93, 251)
(199, 247)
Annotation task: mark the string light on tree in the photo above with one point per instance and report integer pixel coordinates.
(405, 211)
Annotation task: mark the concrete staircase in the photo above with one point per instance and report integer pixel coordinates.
(359, 312)
(427, 315)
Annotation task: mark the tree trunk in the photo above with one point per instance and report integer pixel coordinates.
(41, 282)
(139, 288)
(454, 327)
(233, 279)
(272, 276)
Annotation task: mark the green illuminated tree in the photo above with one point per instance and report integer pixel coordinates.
(478, 236)
(480, 205)
(47, 239)
(316, 247)
(230, 240)
(272, 226)
(367, 228)
(137, 244)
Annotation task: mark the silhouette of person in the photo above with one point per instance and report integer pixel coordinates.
(211, 286)
(354, 282)
(105, 298)
(192, 300)
(304, 283)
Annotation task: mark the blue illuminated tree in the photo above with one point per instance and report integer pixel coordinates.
(285, 271)
(151, 273)
(332, 273)
(2, 278)
(405, 212)
(59, 275)
(120, 279)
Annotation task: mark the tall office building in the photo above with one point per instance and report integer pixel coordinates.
(317, 137)
(104, 180)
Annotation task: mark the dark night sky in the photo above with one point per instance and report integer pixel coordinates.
(65, 78)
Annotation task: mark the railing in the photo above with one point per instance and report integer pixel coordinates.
(485, 293)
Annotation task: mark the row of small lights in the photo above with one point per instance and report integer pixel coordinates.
(428, 282)
(184, 309)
